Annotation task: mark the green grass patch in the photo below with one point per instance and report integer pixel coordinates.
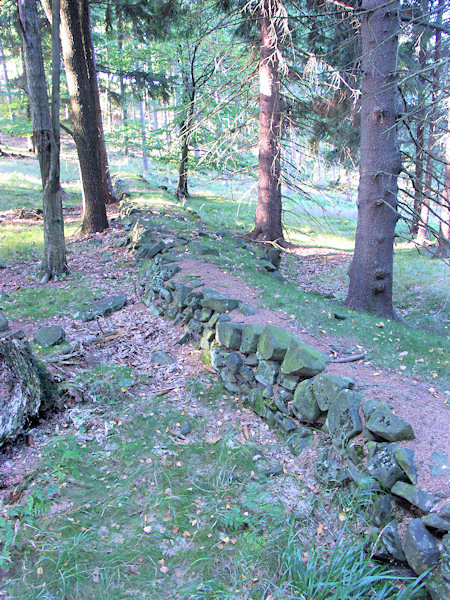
(63, 297)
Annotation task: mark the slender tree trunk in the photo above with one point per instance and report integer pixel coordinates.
(45, 133)
(425, 205)
(420, 139)
(268, 225)
(443, 249)
(371, 270)
(123, 98)
(182, 192)
(85, 115)
(143, 132)
(6, 78)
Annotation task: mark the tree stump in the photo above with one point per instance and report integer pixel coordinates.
(26, 388)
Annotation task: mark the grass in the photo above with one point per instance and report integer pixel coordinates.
(124, 509)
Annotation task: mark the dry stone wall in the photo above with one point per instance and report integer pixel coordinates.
(284, 381)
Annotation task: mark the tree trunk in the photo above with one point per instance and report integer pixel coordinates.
(182, 192)
(418, 176)
(6, 78)
(85, 116)
(371, 269)
(268, 225)
(443, 249)
(425, 205)
(143, 128)
(123, 99)
(45, 135)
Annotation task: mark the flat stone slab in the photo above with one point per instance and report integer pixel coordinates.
(384, 423)
(104, 308)
(302, 359)
(49, 336)
(326, 388)
(273, 343)
(162, 358)
(219, 303)
(415, 496)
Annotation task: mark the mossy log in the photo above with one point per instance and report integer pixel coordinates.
(26, 388)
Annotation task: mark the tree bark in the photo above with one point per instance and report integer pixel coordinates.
(443, 249)
(182, 192)
(268, 225)
(45, 135)
(123, 99)
(85, 116)
(370, 286)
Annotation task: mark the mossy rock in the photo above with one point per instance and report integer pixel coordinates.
(273, 343)
(304, 360)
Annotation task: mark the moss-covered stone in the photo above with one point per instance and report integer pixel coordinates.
(344, 422)
(384, 423)
(229, 334)
(415, 496)
(383, 466)
(420, 547)
(250, 338)
(326, 388)
(219, 303)
(305, 406)
(273, 343)
(301, 359)
(49, 336)
(267, 371)
(257, 401)
(405, 458)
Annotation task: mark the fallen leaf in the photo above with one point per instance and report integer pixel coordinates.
(213, 439)
(246, 432)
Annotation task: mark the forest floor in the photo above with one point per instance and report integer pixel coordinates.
(154, 482)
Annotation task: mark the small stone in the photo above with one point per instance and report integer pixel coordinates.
(185, 428)
(326, 388)
(285, 423)
(246, 309)
(233, 363)
(415, 496)
(302, 359)
(267, 371)
(250, 338)
(3, 322)
(305, 406)
(289, 382)
(344, 422)
(368, 406)
(436, 522)
(380, 512)
(195, 325)
(445, 557)
(384, 423)
(328, 470)
(49, 336)
(405, 458)
(181, 295)
(162, 358)
(251, 360)
(301, 440)
(439, 464)
(420, 547)
(106, 258)
(229, 334)
(104, 308)
(246, 374)
(437, 587)
(273, 343)
(184, 338)
(389, 543)
(280, 405)
(205, 315)
(257, 401)
(384, 467)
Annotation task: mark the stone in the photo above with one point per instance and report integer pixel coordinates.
(213, 320)
(154, 309)
(328, 470)
(444, 511)
(185, 428)
(219, 303)
(266, 265)
(285, 423)
(3, 322)
(198, 249)
(205, 315)
(250, 338)
(436, 522)
(384, 467)
(289, 382)
(104, 308)
(273, 343)
(304, 405)
(285, 395)
(184, 338)
(49, 336)
(208, 335)
(445, 557)
(105, 258)
(439, 464)
(257, 401)
(301, 440)
(389, 544)
(415, 496)
(344, 422)
(280, 405)
(277, 276)
(420, 547)
(405, 458)
(326, 388)
(437, 587)
(229, 334)
(304, 360)
(181, 295)
(195, 325)
(233, 363)
(368, 406)
(384, 423)
(246, 374)
(267, 371)
(26, 387)
(162, 358)
(246, 309)
(251, 360)
(380, 510)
